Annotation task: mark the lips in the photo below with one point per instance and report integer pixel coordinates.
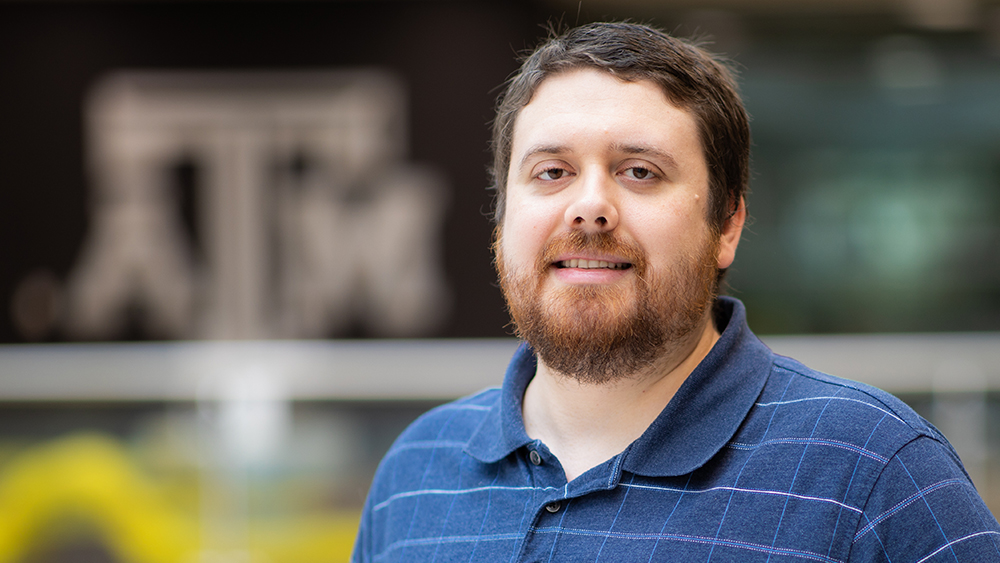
(585, 264)
(584, 257)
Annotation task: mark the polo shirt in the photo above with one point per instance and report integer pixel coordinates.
(756, 458)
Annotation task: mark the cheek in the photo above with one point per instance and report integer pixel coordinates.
(526, 229)
(668, 230)
(515, 243)
(519, 246)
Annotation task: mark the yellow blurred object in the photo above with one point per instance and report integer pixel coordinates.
(90, 477)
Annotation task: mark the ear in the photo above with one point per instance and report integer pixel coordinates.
(730, 237)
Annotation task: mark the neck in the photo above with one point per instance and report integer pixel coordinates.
(587, 424)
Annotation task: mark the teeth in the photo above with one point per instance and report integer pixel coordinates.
(592, 264)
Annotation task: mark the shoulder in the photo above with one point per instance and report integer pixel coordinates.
(427, 457)
(837, 407)
(896, 484)
(829, 433)
(452, 422)
(924, 504)
(432, 446)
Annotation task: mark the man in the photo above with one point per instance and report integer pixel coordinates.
(643, 421)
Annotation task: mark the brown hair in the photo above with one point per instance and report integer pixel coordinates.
(691, 78)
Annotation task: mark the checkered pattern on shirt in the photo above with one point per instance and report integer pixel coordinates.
(822, 469)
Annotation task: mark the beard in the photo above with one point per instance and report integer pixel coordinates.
(599, 334)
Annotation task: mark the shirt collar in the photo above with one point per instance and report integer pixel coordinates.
(502, 431)
(710, 405)
(697, 422)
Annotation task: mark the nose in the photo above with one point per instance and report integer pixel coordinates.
(593, 208)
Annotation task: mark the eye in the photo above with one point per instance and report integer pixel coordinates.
(552, 174)
(639, 173)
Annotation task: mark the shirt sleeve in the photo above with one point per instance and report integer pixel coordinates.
(924, 508)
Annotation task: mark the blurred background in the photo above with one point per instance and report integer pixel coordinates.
(245, 243)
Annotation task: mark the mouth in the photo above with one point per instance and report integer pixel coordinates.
(584, 264)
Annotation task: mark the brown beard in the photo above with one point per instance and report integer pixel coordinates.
(600, 334)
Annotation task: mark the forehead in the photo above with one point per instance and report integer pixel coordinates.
(586, 106)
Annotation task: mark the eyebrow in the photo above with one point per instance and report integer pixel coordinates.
(541, 149)
(666, 158)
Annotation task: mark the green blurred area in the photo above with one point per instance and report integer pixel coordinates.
(876, 192)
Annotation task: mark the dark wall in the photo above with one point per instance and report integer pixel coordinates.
(452, 54)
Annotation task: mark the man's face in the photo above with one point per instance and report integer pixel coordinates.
(605, 254)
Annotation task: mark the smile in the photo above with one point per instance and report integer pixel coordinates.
(593, 264)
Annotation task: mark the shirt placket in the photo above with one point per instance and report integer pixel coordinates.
(548, 503)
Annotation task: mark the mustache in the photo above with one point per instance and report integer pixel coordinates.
(602, 243)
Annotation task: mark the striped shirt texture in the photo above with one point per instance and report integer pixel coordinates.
(757, 458)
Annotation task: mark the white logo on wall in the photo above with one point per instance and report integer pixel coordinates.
(308, 218)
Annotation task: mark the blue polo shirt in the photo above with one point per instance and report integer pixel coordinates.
(756, 458)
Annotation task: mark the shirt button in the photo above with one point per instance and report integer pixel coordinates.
(553, 507)
(534, 457)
